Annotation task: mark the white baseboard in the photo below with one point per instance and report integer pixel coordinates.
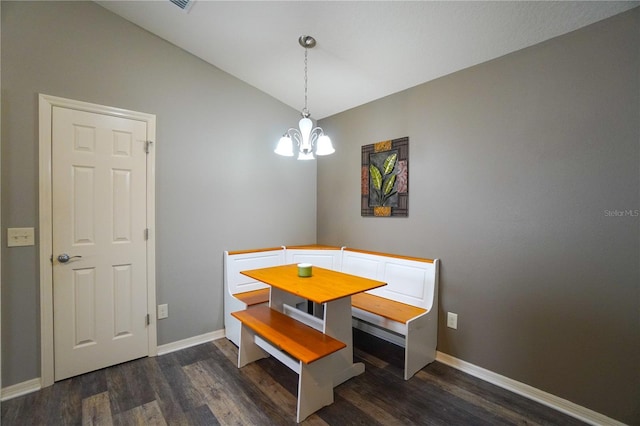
(555, 402)
(20, 389)
(191, 341)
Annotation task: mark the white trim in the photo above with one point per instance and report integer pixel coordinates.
(46, 103)
(0, 262)
(191, 341)
(20, 389)
(151, 236)
(545, 398)
(46, 240)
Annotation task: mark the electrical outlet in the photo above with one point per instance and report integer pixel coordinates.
(452, 320)
(163, 311)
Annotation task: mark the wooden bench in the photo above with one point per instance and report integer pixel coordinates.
(303, 349)
(405, 311)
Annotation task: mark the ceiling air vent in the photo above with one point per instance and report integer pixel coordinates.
(183, 4)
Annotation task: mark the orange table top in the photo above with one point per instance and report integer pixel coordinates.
(322, 286)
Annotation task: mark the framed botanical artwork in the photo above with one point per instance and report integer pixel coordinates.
(385, 178)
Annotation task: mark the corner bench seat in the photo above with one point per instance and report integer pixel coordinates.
(387, 308)
(305, 350)
(254, 297)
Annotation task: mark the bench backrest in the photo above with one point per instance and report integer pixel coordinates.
(322, 256)
(409, 280)
(237, 261)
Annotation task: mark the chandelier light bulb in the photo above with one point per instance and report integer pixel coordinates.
(305, 156)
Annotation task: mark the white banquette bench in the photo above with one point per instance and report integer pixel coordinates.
(404, 312)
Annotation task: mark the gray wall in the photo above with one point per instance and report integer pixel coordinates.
(512, 167)
(218, 182)
(513, 164)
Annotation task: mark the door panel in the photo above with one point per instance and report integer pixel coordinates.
(99, 215)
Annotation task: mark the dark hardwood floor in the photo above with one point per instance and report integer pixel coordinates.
(202, 386)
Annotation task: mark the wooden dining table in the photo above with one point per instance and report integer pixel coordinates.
(329, 289)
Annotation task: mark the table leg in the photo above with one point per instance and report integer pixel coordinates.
(337, 324)
(278, 298)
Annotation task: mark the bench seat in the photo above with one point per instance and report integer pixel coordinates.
(387, 308)
(289, 335)
(305, 350)
(254, 297)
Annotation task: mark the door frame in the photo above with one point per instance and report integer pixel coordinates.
(46, 104)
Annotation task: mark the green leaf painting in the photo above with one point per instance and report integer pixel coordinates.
(382, 178)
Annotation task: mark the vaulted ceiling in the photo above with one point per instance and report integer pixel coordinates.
(365, 49)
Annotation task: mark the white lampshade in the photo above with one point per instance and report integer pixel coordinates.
(325, 147)
(305, 156)
(285, 146)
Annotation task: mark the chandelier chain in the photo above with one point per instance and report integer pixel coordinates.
(305, 79)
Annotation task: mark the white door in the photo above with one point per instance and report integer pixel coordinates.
(98, 220)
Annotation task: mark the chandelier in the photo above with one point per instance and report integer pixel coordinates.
(309, 139)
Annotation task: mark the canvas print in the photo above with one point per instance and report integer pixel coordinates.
(385, 178)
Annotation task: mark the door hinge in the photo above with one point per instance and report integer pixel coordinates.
(147, 319)
(146, 234)
(147, 146)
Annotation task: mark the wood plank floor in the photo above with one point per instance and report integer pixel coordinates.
(202, 386)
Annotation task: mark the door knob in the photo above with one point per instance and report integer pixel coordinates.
(64, 257)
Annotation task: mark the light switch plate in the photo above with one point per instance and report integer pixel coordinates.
(163, 311)
(18, 237)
